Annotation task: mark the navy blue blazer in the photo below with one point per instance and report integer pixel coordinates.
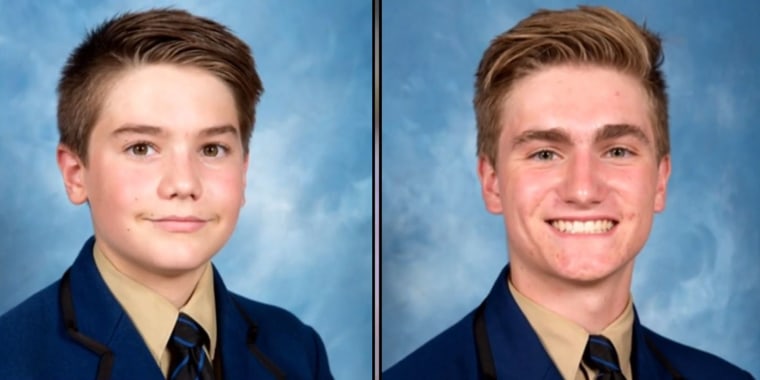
(518, 354)
(76, 329)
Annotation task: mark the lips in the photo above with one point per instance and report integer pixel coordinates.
(587, 227)
(179, 224)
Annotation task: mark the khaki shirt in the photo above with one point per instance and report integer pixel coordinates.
(565, 341)
(153, 315)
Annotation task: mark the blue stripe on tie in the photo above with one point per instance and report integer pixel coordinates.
(600, 341)
(188, 322)
(200, 367)
(183, 342)
(200, 362)
(179, 367)
(605, 363)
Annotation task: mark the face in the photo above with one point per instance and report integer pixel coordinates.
(166, 169)
(576, 178)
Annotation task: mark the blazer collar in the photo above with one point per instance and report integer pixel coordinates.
(237, 333)
(518, 353)
(644, 362)
(100, 317)
(516, 349)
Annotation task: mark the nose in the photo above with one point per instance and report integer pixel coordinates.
(181, 178)
(583, 182)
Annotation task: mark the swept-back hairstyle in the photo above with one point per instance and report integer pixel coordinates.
(158, 36)
(586, 35)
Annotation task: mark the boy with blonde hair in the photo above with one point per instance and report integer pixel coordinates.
(574, 154)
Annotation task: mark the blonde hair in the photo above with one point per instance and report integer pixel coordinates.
(587, 35)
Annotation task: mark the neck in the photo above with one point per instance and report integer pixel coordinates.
(174, 287)
(592, 305)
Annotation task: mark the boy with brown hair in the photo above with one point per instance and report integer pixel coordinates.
(155, 114)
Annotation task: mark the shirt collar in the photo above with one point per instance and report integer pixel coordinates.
(565, 341)
(153, 315)
(201, 307)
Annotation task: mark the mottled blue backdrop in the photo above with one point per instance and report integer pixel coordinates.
(698, 278)
(304, 237)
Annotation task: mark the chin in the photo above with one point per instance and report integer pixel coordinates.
(173, 267)
(586, 271)
(182, 260)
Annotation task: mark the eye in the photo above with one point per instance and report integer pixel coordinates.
(619, 152)
(214, 150)
(141, 149)
(544, 155)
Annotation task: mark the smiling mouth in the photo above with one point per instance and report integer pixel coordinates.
(179, 224)
(583, 227)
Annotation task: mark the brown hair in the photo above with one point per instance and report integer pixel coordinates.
(155, 36)
(587, 35)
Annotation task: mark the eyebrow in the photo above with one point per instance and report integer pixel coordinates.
(219, 130)
(614, 131)
(554, 135)
(138, 129)
(561, 137)
(157, 131)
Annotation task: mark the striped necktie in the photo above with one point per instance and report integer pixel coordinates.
(188, 359)
(601, 356)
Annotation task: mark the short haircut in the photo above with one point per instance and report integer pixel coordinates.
(587, 36)
(157, 36)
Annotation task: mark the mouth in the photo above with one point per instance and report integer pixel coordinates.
(583, 227)
(181, 224)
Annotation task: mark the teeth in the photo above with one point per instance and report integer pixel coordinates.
(587, 227)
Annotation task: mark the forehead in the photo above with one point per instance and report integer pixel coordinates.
(170, 96)
(577, 98)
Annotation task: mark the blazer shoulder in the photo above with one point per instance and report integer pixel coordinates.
(269, 315)
(39, 311)
(694, 363)
(28, 331)
(449, 355)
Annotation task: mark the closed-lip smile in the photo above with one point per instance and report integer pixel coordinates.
(179, 224)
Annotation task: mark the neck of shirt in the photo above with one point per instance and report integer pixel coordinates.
(565, 341)
(153, 315)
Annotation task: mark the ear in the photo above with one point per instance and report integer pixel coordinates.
(663, 174)
(72, 169)
(245, 177)
(489, 185)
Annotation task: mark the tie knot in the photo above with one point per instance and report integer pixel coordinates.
(187, 333)
(600, 355)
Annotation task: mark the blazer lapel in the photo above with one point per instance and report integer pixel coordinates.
(643, 360)
(517, 351)
(234, 332)
(100, 317)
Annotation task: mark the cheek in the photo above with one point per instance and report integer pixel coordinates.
(130, 186)
(119, 184)
(527, 190)
(225, 185)
(635, 188)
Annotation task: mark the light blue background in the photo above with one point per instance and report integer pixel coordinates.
(304, 237)
(698, 278)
